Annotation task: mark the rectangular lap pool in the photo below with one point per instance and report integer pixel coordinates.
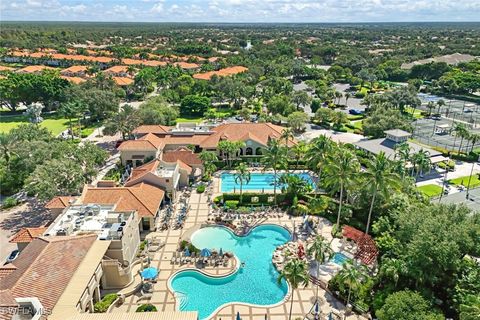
(258, 182)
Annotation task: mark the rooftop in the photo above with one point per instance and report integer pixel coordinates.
(27, 234)
(376, 146)
(102, 220)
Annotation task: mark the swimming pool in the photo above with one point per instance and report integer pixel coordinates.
(255, 283)
(339, 258)
(258, 181)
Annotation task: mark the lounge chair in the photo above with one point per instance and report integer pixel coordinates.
(174, 258)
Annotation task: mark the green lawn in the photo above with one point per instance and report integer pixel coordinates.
(54, 124)
(475, 182)
(417, 114)
(430, 190)
(189, 119)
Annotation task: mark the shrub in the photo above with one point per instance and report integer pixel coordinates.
(243, 210)
(206, 178)
(450, 165)
(9, 203)
(201, 188)
(231, 204)
(102, 305)
(146, 308)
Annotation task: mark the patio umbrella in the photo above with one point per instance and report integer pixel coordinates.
(149, 273)
(186, 252)
(205, 252)
(238, 316)
(221, 252)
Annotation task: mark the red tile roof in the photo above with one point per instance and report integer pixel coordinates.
(27, 234)
(143, 198)
(75, 80)
(4, 68)
(34, 69)
(45, 267)
(59, 202)
(74, 69)
(157, 129)
(220, 73)
(183, 154)
(123, 81)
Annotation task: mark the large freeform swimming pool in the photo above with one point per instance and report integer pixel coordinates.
(258, 181)
(254, 283)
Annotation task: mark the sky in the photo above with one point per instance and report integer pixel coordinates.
(241, 10)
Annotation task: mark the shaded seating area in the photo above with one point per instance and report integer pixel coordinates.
(367, 250)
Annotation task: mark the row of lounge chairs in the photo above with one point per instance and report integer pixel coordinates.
(213, 261)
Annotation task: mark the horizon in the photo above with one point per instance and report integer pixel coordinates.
(241, 11)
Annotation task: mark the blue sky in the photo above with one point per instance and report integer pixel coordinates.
(241, 10)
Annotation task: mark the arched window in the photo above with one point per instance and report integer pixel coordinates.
(240, 152)
(249, 151)
(258, 152)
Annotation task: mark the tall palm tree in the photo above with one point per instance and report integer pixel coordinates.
(321, 251)
(440, 104)
(72, 110)
(379, 178)
(287, 134)
(299, 150)
(462, 132)
(351, 276)
(242, 176)
(275, 158)
(340, 171)
(296, 274)
(208, 158)
(402, 152)
(430, 107)
(421, 162)
(317, 153)
(473, 138)
(348, 95)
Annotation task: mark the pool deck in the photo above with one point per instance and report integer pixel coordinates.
(164, 300)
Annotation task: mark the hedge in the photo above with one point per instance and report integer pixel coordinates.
(247, 198)
(201, 188)
(146, 308)
(9, 202)
(103, 305)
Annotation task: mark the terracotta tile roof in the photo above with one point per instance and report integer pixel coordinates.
(186, 65)
(5, 68)
(220, 73)
(7, 270)
(154, 63)
(74, 69)
(7, 299)
(142, 197)
(117, 69)
(33, 69)
(60, 202)
(183, 154)
(138, 172)
(259, 132)
(75, 80)
(195, 140)
(136, 145)
(46, 266)
(157, 129)
(131, 62)
(27, 234)
(184, 166)
(123, 81)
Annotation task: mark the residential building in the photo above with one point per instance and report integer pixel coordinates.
(153, 141)
(58, 204)
(34, 69)
(75, 71)
(220, 73)
(118, 71)
(142, 197)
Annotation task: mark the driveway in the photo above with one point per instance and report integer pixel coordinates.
(28, 214)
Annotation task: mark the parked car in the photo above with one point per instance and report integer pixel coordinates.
(239, 118)
(355, 112)
(13, 256)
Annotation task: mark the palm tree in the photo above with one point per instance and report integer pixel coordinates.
(379, 178)
(316, 155)
(242, 176)
(321, 251)
(350, 276)
(208, 158)
(340, 171)
(402, 151)
(462, 132)
(339, 119)
(72, 110)
(338, 96)
(287, 134)
(430, 107)
(347, 96)
(393, 268)
(296, 274)
(473, 138)
(299, 150)
(275, 158)
(421, 161)
(440, 104)
(7, 143)
(131, 70)
(125, 121)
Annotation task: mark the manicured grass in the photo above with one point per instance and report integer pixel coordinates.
(430, 190)
(417, 114)
(475, 182)
(189, 119)
(53, 124)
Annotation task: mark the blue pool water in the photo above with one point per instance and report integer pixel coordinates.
(255, 283)
(339, 258)
(258, 181)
